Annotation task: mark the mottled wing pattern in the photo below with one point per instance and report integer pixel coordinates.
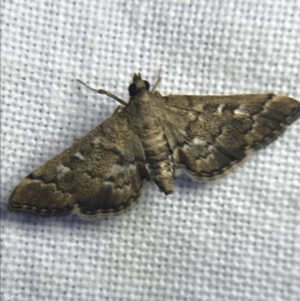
(210, 135)
(99, 175)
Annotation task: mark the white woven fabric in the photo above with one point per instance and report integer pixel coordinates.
(236, 239)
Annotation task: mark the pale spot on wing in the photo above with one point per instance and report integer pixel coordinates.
(211, 148)
(186, 147)
(199, 107)
(117, 169)
(208, 157)
(96, 141)
(240, 111)
(79, 156)
(220, 108)
(191, 116)
(182, 132)
(198, 141)
(62, 170)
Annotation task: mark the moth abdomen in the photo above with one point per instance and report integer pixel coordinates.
(161, 171)
(159, 161)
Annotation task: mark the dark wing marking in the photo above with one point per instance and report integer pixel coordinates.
(210, 135)
(97, 176)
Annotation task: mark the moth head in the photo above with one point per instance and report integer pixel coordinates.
(138, 85)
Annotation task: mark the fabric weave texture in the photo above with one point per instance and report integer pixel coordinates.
(234, 239)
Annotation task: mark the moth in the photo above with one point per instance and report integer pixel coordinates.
(150, 138)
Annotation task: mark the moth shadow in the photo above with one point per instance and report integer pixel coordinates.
(185, 181)
(65, 221)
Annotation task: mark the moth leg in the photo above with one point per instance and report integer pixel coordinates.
(101, 91)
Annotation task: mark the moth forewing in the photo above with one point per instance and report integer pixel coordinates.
(150, 138)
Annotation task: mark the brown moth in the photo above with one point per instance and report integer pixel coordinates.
(149, 138)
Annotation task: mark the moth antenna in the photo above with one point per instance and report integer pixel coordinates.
(101, 91)
(158, 81)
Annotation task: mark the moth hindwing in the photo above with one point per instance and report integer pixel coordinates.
(149, 138)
